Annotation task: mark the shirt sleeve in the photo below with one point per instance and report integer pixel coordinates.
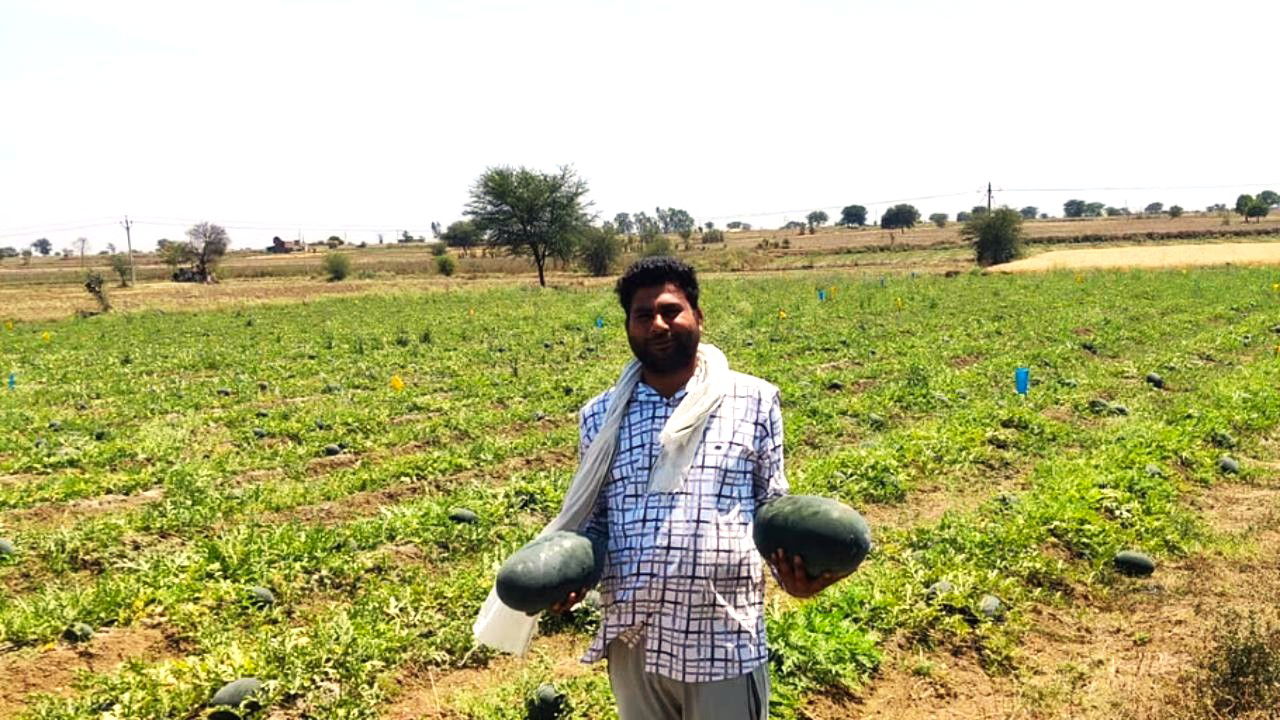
(770, 480)
(589, 420)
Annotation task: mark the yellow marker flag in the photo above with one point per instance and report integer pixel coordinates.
(898, 302)
(46, 336)
(396, 383)
(782, 314)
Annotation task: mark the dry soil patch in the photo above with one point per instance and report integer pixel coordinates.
(1149, 256)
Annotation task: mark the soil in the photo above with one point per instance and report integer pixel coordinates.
(1149, 256)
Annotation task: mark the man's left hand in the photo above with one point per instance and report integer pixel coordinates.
(791, 574)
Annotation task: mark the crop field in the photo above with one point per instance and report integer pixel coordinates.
(156, 467)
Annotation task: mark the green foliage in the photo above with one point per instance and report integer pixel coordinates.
(1073, 208)
(1029, 212)
(446, 265)
(657, 245)
(337, 265)
(334, 242)
(1269, 198)
(599, 250)
(42, 246)
(817, 218)
(1175, 211)
(853, 215)
(463, 235)
(1154, 208)
(529, 212)
(900, 216)
(712, 236)
(939, 219)
(1239, 673)
(120, 265)
(996, 236)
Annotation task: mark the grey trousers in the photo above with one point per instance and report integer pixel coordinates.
(645, 696)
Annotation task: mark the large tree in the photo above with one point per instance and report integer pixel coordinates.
(853, 215)
(900, 216)
(1269, 198)
(529, 212)
(817, 218)
(1073, 208)
(463, 235)
(622, 221)
(1029, 212)
(996, 236)
(43, 246)
(206, 244)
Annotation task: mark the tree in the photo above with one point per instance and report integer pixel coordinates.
(1175, 211)
(853, 215)
(1114, 211)
(816, 219)
(8, 252)
(463, 235)
(734, 225)
(900, 216)
(939, 219)
(173, 254)
(677, 221)
(1257, 210)
(1093, 209)
(206, 244)
(599, 249)
(334, 242)
(1269, 198)
(529, 212)
(996, 236)
(1073, 208)
(978, 210)
(43, 246)
(26, 256)
(963, 216)
(622, 221)
(1154, 208)
(714, 235)
(1243, 203)
(708, 226)
(120, 264)
(1029, 212)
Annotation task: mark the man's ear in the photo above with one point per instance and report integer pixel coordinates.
(698, 314)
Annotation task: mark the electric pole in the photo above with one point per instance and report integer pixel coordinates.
(128, 240)
(988, 198)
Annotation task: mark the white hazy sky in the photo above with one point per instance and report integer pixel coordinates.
(274, 117)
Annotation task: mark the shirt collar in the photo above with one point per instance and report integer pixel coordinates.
(645, 393)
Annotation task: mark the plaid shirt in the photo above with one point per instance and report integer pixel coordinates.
(682, 574)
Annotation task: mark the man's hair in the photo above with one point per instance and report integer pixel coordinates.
(658, 270)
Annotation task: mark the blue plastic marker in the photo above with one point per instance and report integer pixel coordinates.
(13, 381)
(599, 321)
(1022, 380)
(822, 295)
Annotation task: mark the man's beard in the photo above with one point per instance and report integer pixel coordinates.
(679, 355)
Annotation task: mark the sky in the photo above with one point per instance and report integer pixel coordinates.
(357, 118)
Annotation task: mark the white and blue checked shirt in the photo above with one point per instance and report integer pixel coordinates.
(682, 574)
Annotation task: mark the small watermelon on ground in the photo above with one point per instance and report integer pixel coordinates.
(237, 694)
(938, 589)
(7, 547)
(259, 432)
(827, 534)
(331, 449)
(546, 703)
(1223, 439)
(1155, 380)
(463, 515)
(1133, 563)
(546, 570)
(261, 597)
(55, 425)
(77, 633)
(1153, 470)
(1229, 465)
(991, 607)
(1099, 406)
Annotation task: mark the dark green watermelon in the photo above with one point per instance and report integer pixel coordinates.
(463, 515)
(546, 570)
(1155, 380)
(261, 597)
(236, 694)
(827, 534)
(1229, 465)
(546, 703)
(991, 607)
(1133, 563)
(78, 633)
(938, 589)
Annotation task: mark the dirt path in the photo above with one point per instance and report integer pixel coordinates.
(1149, 256)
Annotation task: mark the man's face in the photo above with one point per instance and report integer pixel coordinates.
(663, 329)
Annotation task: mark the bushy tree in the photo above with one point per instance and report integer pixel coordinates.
(900, 216)
(333, 242)
(1029, 212)
(463, 235)
(712, 236)
(816, 219)
(1269, 198)
(599, 249)
(622, 221)
(446, 265)
(529, 212)
(1175, 211)
(1154, 208)
(1093, 209)
(853, 215)
(337, 265)
(939, 219)
(979, 210)
(206, 244)
(996, 236)
(43, 246)
(1073, 208)
(120, 265)
(963, 216)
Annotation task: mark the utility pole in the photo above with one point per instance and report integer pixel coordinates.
(988, 197)
(128, 239)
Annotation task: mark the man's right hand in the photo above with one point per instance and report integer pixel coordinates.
(567, 604)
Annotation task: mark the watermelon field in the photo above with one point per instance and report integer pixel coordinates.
(266, 491)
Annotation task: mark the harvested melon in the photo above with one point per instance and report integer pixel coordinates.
(827, 534)
(1133, 563)
(546, 570)
(463, 515)
(237, 694)
(546, 703)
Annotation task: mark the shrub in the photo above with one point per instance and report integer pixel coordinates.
(120, 264)
(939, 219)
(599, 250)
(446, 265)
(1175, 211)
(660, 245)
(337, 265)
(996, 236)
(1239, 673)
(712, 236)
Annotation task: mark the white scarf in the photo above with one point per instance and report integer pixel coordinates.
(508, 630)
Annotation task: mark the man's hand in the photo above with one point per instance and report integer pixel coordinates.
(567, 604)
(795, 580)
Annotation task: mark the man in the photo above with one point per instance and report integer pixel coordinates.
(683, 589)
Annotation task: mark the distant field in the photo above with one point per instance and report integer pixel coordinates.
(740, 252)
(155, 466)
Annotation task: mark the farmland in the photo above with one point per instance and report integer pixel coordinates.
(157, 465)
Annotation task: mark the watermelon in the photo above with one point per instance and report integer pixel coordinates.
(1229, 465)
(546, 570)
(261, 597)
(1133, 563)
(827, 534)
(224, 392)
(938, 589)
(1155, 380)
(1099, 406)
(7, 547)
(1153, 470)
(259, 432)
(332, 449)
(546, 703)
(77, 633)
(1223, 439)
(235, 694)
(55, 425)
(463, 515)
(991, 607)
